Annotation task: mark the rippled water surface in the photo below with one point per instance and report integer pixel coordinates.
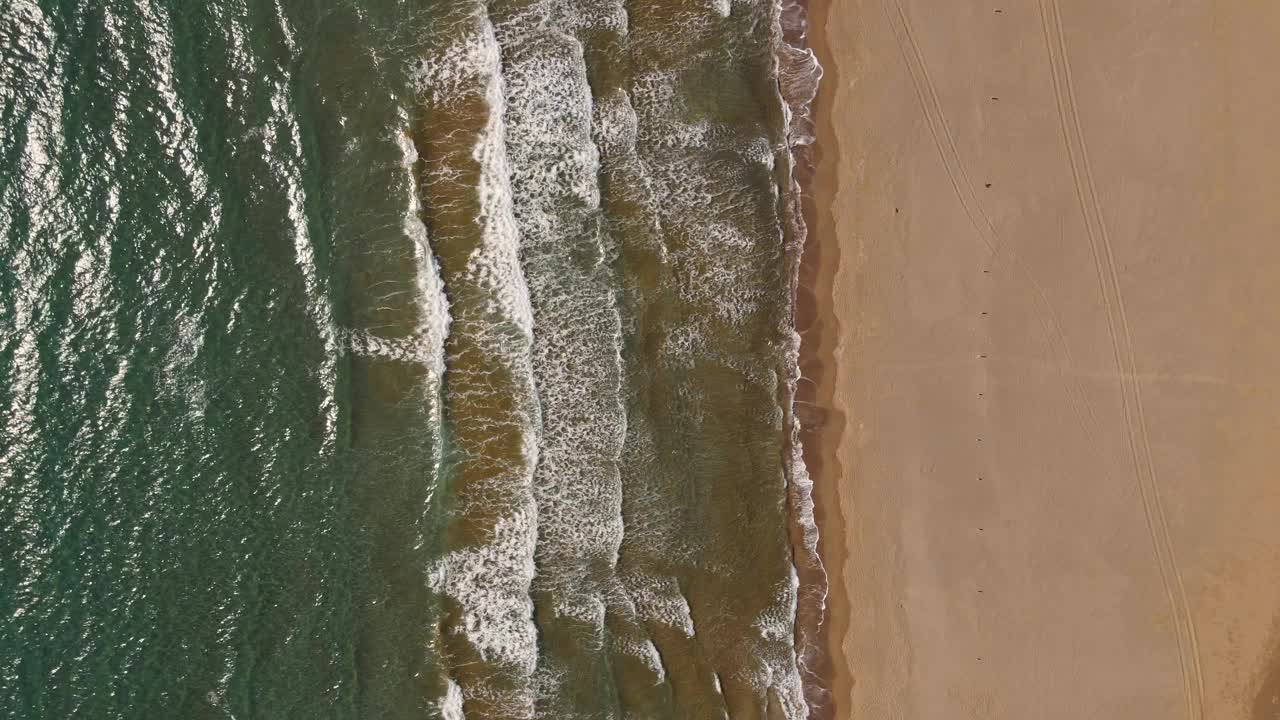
(382, 359)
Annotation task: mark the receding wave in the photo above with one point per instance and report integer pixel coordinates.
(798, 74)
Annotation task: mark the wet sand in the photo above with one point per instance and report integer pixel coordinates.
(1050, 237)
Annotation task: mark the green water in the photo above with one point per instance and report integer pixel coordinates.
(391, 359)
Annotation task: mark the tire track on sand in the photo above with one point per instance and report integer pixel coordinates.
(963, 187)
(1122, 345)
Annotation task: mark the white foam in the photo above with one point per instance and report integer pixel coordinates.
(648, 652)
(615, 124)
(495, 265)
(290, 40)
(704, 181)
(577, 348)
(433, 305)
(453, 71)
(28, 15)
(800, 480)
(799, 76)
(491, 581)
(451, 703)
(659, 600)
(490, 576)
(548, 139)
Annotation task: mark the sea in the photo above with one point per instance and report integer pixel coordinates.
(403, 359)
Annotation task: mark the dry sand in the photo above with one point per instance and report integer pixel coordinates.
(1052, 240)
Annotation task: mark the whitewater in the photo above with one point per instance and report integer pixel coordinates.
(444, 360)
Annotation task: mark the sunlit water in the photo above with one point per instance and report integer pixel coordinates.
(396, 359)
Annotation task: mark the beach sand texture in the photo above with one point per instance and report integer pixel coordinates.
(1053, 233)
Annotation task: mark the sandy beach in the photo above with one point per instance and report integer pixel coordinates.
(1048, 235)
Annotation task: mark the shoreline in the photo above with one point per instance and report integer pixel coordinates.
(976, 209)
(822, 423)
(799, 77)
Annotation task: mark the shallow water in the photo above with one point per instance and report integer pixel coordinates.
(400, 359)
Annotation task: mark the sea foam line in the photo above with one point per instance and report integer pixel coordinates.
(799, 74)
(577, 345)
(491, 401)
